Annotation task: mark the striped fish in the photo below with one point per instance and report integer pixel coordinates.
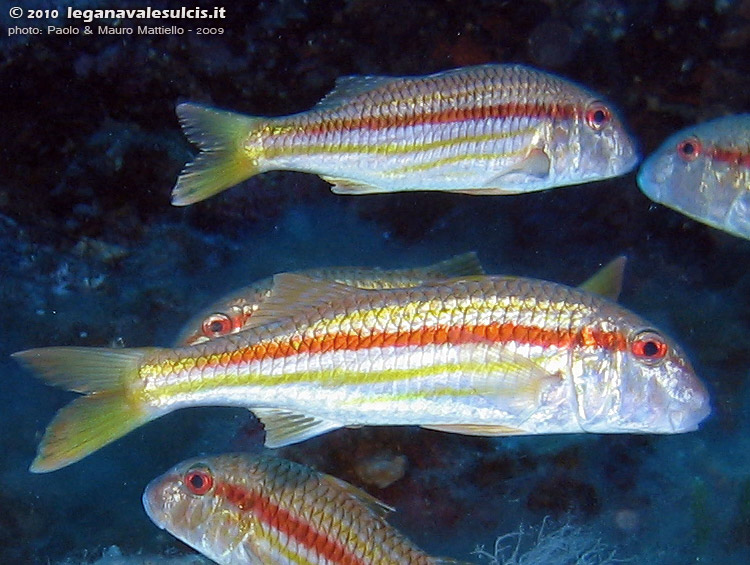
(231, 313)
(490, 129)
(241, 509)
(484, 355)
(703, 171)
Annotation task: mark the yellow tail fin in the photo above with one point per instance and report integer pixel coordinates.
(106, 413)
(229, 152)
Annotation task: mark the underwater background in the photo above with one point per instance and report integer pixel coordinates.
(92, 253)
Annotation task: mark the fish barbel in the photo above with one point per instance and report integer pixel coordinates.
(486, 355)
(703, 171)
(242, 509)
(231, 313)
(489, 129)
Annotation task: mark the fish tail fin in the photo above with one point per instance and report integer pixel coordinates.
(106, 413)
(228, 154)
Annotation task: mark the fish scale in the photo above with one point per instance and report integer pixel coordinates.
(490, 129)
(485, 355)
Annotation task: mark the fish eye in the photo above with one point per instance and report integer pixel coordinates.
(216, 325)
(597, 116)
(198, 480)
(649, 346)
(689, 149)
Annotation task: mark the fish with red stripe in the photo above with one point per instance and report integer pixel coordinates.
(242, 509)
(703, 171)
(484, 355)
(489, 129)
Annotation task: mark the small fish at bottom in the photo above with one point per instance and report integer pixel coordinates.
(242, 509)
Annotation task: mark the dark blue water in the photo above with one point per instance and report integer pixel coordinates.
(92, 253)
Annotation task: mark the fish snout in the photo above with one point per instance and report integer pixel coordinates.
(629, 155)
(653, 177)
(154, 500)
(689, 408)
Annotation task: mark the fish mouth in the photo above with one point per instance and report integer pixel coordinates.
(631, 158)
(646, 181)
(691, 406)
(652, 178)
(687, 418)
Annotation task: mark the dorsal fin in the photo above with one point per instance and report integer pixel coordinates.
(293, 293)
(349, 87)
(376, 506)
(607, 281)
(466, 264)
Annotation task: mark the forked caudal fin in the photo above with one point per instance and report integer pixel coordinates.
(106, 413)
(226, 158)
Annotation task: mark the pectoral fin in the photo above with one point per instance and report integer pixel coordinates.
(503, 379)
(531, 169)
(534, 167)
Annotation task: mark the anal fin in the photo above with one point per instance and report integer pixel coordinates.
(348, 186)
(285, 427)
(476, 429)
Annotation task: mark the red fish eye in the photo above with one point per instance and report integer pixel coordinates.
(217, 325)
(689, 149)
(597, 116)
(198, 481)
(649, 346)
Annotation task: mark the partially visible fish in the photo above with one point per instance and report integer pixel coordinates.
(486, 355)
(232, 313)
(703, 171)
(241, 509)
(489, 129)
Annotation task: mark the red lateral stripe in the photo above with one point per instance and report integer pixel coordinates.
(275, 517)
(733, 156)
(534, 110)
(438, 335)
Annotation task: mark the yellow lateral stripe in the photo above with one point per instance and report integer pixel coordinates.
(331, 378)
(291, 556)
(454, 159)
(417, 395)
(389, 148)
